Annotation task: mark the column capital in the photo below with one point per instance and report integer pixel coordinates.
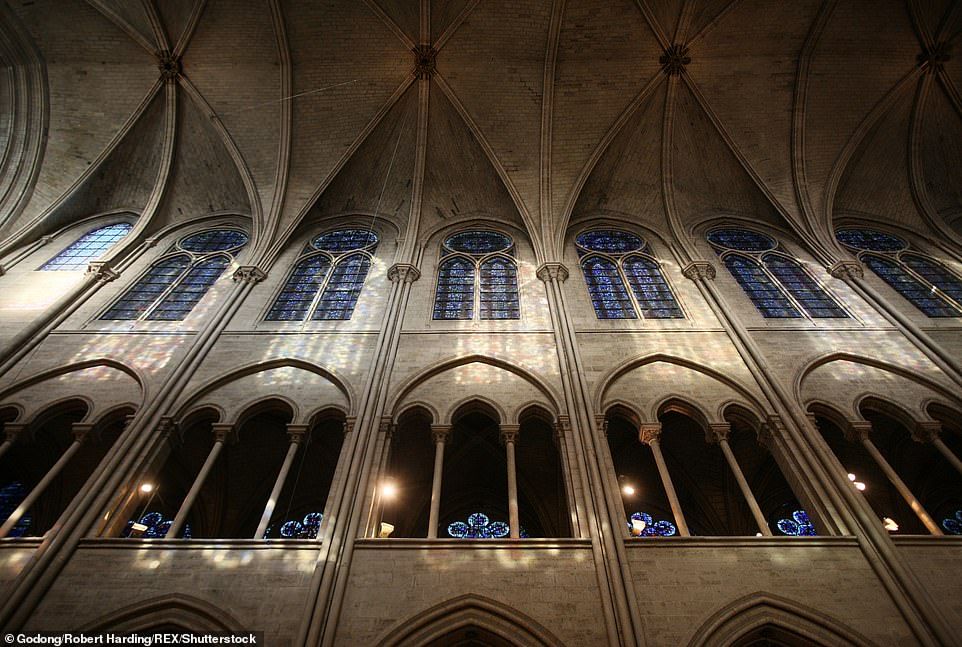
(509, 433)
(552, 272)
(249, 274)
(297, 433)
(81, 430)
(718, 432)
(223, 431)
(45, 239)
(699, 270)
(12, 430)
(601, 421)
(926, 431)
(773, 426)
(857, 431)
(403, 273)
(102, 271)
(440, 433)
(845, 270)
(649, 432)
(151, 242)
(349, 423)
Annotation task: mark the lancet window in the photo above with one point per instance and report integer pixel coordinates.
(465, 257)
(88, 247)
(327, 280)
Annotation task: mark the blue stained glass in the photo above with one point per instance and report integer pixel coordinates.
(742, 240)
(798, 526)
(295, 299)
(767, 297)
(499, 289)
(953, 524)
(870, 240)
(479, 526)
(455, 294)
(478, 242)
(345, 240)
(936, 274)
(189, 290)
(609, 241)
(88, 247)
(652, 528)
(650, 289)
(920, 295)
(11, 496)
(215, 240)
(803, 287)
(138, 299)
(343, 289)
(306, 528)
(157, 526)
(608, 293)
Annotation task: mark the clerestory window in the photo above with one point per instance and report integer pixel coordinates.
(327, 280)
(776, 283)
(925, 283)
(88, 247)
(175, 283)
(612, 261)
(467, 256)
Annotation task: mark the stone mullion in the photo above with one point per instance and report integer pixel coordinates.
(119, 468)
(608, 549)
(382, 451)
(834, 492)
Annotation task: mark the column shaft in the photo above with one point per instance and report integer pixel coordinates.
(191, 497)
(746, 491)
(38, 489)
(439, 440)
(513, 522)
(939, 445)
(655, 445)
(900, 485)
(278, 488)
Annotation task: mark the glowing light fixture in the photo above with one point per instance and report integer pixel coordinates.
(858, 484)
(386, 530)
(889, 524)
(388, 490)
(628, 490)
(147, 488)
(637, 527)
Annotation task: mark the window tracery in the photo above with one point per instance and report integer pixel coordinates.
(328, 278)
(925, 283)
(648, 527)
(614, 261)
(173, 285)
(88, 247)
(776, 283)
(467, 256)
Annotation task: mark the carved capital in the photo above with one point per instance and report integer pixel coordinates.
(553, 272)
(649, 432)
(297, 433)
(101, 271)
(349, 422)
(509, 433)
(425, 61)
(718, 432)
(440, 433)
(926, 431)
(845, 270)
(403, 273)
(674, 59)
(386, 426)
(168, 64)
(249, 274)
(223, 432)
(772, 426)
(857, 431)
(81, 430)
(12, 430)
(601, 421)
(564, 423)
(699, 270)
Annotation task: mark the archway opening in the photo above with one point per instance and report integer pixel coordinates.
(543, 503)
(410, 471)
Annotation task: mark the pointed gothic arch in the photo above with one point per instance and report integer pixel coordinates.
(176, 609)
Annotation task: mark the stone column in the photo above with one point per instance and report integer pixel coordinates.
(650, 434)
(859, 431)
(440, 435)
(296, 433)
(925, 432)
(81, 431)
(221, 433)
(718, 433)
(12, 430)
(509, 436)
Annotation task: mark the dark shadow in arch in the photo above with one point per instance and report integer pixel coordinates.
(444, 623)
(183, 611)
(764, 619)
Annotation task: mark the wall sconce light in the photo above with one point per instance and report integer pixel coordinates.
(386, 530)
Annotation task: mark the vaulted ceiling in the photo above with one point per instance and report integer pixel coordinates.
(537, 113)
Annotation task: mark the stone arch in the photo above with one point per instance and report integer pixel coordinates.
(748, 614)
(418, 406)
(676, 404)
(873, 402)
(477, 403)
(58, 371)
(177, 609)
(274, 402)
(477, 611)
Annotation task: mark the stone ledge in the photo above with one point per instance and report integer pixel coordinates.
(472, 544)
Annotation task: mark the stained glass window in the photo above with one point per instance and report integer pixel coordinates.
(953, 524)
(760, 288)
(11, 496)
(313, 286)
(641, 524)
(170, 289)
(480, 526)
(912, 275)
(157, 526)
(612, 259)
(483, 254)
(88, 247)
(306, 528)
(798, 526)
(803, 287)
(777, 284)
